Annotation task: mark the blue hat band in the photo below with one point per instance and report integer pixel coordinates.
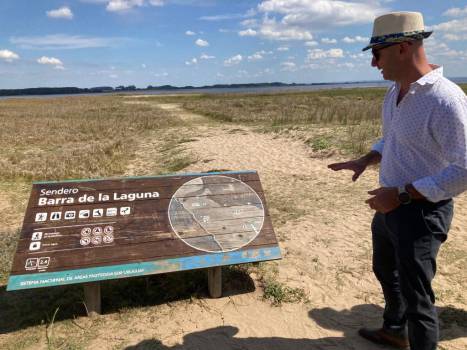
(397, 37)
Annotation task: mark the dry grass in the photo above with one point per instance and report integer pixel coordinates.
(84, 137)
(74, 137)
(341, 107)
(358, 110)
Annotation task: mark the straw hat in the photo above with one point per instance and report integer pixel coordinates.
(397, 27)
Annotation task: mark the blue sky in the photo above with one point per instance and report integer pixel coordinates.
(89, 43)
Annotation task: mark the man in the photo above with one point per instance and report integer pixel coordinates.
(423, 157)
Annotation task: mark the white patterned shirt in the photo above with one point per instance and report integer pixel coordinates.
(425, 137)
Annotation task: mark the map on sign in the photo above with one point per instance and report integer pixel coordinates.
(216, 213)
(89, 230)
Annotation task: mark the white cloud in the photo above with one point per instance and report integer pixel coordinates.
(456, 12)
(322, 13)
(63, 41)
(51, 61)
(311, 66)
(143, 66)
(311, 43)
(156, 2)
(271, 29)
(288, 66)
(233, 60)
(319, 53)
(201, 42)
(442, 52)
(359, 56)
(247, 32)
(62, 12)
(456, 26)
(113, 76)
(249, 22)
(346, 65)
(161, 75)
(282, 48)
(189, 32)
(249, 13)
(356, 39)
(328, 41)
(123, 5)
(255, 57)
(191, 62)
(8, 56)
(206, 57)
(454, 30)
(455, 37)
(266, 71)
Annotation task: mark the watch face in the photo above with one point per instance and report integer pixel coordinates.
(404, 197)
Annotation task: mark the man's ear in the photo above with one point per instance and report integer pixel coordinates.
(405, 47)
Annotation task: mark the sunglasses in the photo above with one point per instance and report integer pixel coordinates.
(376, 50)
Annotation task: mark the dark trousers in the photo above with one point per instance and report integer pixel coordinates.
(405, 245)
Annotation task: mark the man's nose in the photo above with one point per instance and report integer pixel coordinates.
(374, 62)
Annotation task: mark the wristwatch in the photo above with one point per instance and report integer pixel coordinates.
(404, 196)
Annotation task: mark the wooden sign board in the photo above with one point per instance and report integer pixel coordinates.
(92, 230)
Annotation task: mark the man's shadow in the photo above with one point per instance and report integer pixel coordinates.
(345, 321)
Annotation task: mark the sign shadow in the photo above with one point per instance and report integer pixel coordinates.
(26, 308)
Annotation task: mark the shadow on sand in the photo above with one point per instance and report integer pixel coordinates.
(27, 308)
(345, 321)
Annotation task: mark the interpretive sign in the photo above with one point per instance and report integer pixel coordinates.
(91, 230)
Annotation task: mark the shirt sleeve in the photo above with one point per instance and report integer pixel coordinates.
(449, 129)
(378, 146)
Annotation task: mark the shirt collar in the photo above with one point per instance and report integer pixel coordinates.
(432, 76)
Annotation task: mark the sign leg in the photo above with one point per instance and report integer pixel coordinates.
(215, 281)
(92, 298)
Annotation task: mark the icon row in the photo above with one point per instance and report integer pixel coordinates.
(82, 214)
(96, 237)
(96, 240)
(86, 231)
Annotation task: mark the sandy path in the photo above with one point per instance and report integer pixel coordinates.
(323, 227)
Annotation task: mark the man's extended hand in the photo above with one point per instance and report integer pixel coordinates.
(358, 166)
(384, 200)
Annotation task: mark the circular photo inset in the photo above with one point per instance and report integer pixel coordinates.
(216, 213)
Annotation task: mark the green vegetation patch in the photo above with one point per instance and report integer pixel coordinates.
(275, 291)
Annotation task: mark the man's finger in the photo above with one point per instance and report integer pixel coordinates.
(374, 192)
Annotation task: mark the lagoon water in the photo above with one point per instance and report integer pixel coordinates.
(268, 89)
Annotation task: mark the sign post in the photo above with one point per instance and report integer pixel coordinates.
(86, 231)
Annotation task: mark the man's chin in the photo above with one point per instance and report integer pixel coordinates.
(386, 77)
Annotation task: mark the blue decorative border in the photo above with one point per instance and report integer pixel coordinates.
(93, 274)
